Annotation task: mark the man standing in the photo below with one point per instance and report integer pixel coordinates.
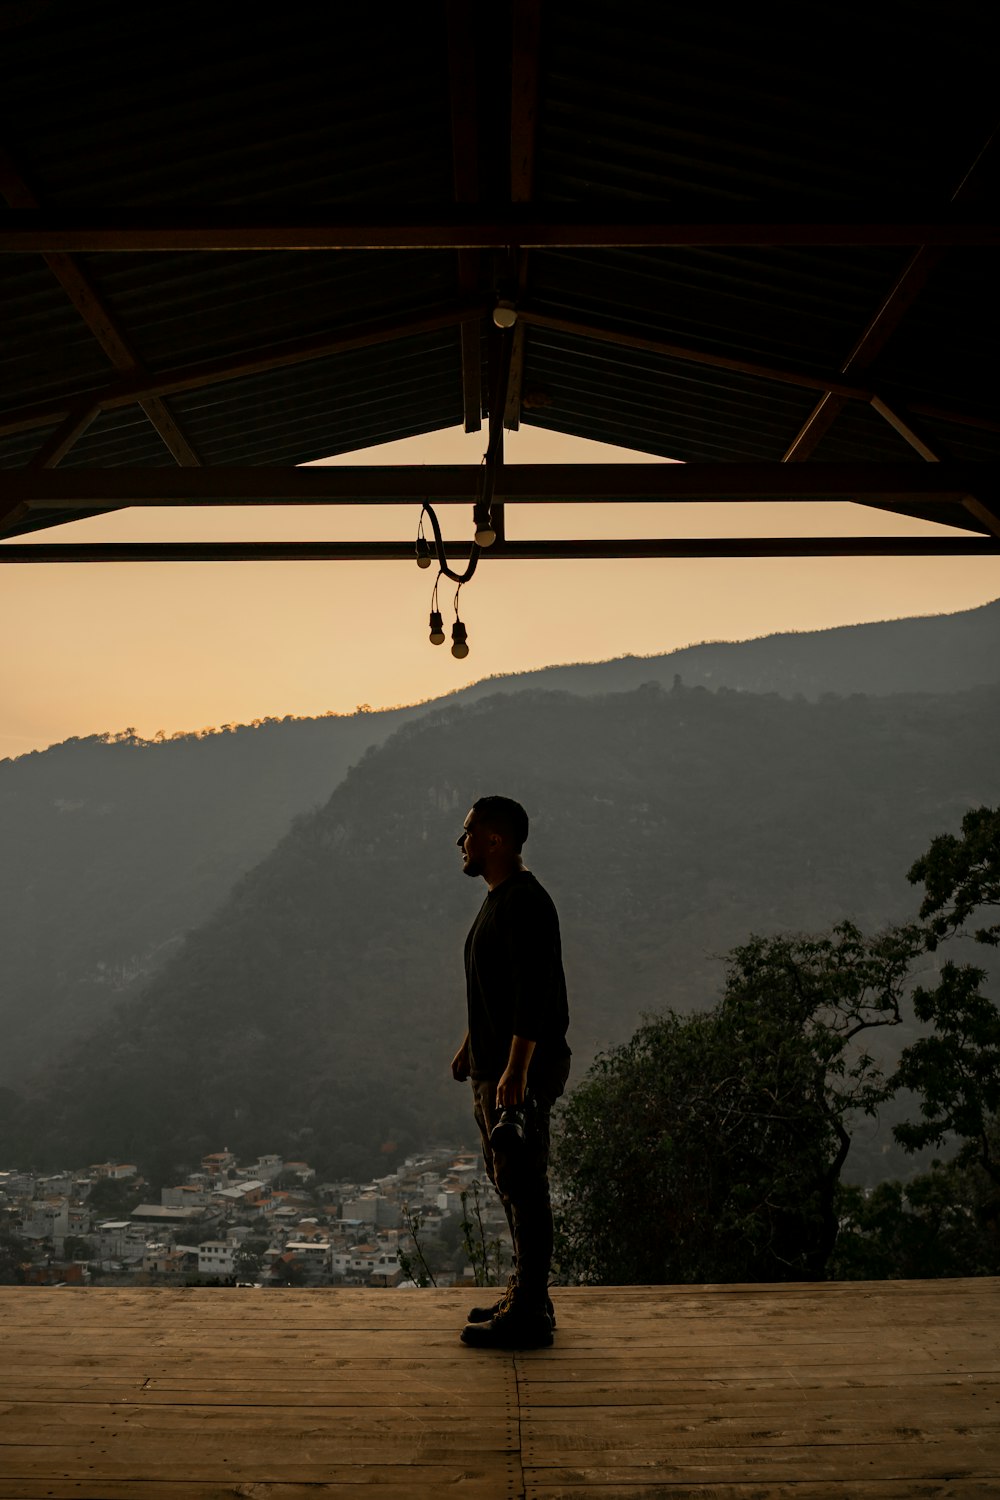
(516, 1055)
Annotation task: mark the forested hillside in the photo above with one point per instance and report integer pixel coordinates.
(111, 850)
(317, 1010)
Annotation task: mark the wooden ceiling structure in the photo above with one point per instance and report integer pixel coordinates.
(689, 235)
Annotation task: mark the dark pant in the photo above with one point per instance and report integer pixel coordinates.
(521, 1178)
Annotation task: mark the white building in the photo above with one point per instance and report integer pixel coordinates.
(268, 1167)
(188, 1195)
(374, 1209)
(215, 1258)
(47, 1219)
(120, 1239)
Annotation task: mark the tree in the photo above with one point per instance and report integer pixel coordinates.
(961, 875)
(956, 1068)
(248, 1259)
(937, 1224)
(287, 1271)
(114, 1198)
(709, 1147)
(13, 1255)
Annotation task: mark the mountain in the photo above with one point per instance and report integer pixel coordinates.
(114, 848)
(316, 1011)
(925, 654)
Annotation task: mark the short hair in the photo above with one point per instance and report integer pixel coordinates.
(504, 816)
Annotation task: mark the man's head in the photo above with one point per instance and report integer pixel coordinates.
(493, 836)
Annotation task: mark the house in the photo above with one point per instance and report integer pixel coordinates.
(218, 1163)
(169, 1260)
(237, 1192)
(118, 1240)
(312, 1255)
(267, 1168)
(187, 1195)
(215, 1258)
(156, 1213)
(301, 1169)
(46, 1219)
(375, 1209)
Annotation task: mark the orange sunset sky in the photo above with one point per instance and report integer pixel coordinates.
(174, 646)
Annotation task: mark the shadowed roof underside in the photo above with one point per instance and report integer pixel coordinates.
(262, 242)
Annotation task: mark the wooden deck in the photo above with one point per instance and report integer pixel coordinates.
(856, 1391)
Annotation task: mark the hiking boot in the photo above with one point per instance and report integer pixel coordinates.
(484, 1314)
(515, 1326)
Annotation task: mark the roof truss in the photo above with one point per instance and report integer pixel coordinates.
(494, 76)
(956, 493)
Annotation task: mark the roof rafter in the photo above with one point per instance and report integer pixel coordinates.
(882, 325)
(236, 367)
(465, 177)
(525, 44)
(686, 547)
(452, 227)
(66, 434)
(334, 484)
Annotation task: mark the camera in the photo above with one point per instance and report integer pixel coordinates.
(508, 1134)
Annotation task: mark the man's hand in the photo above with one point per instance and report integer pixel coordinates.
(461, 1063)
(511, 1088)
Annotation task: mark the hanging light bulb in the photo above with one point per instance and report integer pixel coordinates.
(485, 534)
(504, 313)
(459, 642)
(423, 552)
(437, 628)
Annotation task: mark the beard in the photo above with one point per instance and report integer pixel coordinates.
(472, 868)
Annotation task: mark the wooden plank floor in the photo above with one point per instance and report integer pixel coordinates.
(860, 1391)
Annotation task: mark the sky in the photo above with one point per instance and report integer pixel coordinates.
(91, 648)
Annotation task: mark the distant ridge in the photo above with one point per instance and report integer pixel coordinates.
(110, 852)
(315, 1011)
(922, 654)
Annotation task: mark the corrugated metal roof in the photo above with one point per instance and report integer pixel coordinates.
(655, 404)
(299, 109)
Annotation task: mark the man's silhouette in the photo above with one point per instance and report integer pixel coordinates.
(515, 1052)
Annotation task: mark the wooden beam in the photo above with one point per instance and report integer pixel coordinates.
(485, 227)
(58, 445)
(624, 337)
(526, 19)
(526, 26)
(462, 63)
(214, 372)
(329, 484)
(165, 422)
(12, 512)
(540, 551)
(986, 515)
(515, 384)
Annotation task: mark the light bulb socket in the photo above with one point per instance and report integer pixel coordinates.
(459, 640)
(437, 628)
